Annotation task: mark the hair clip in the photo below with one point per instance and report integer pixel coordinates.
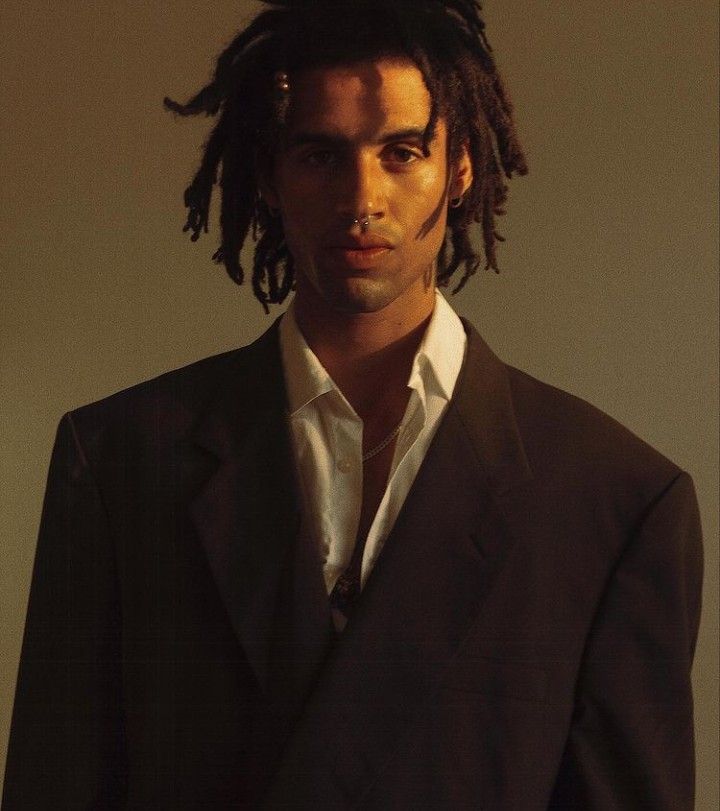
(281, 82)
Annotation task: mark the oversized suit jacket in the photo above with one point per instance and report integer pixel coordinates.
(524, 641)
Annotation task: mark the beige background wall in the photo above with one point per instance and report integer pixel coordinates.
(609, 285)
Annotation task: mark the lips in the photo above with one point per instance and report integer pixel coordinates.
(359, 258)
(360, 251)
(360, 243)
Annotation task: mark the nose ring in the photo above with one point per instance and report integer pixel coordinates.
(363, 222)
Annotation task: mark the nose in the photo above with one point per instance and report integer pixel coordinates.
(360, 193)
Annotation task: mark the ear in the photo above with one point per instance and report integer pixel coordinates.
(265, 184)
(268, 193)
(461, 174)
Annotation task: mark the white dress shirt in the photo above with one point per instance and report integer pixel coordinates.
(327, 438)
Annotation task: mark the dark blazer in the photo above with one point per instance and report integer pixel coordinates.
(524, 641)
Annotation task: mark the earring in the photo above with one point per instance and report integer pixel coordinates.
(456, 202)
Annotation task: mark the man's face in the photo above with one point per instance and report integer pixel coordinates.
(353, 149)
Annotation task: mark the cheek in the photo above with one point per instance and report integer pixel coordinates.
(293, 191)
(297, 239)
(426, 219)
(300, 211)
(295, 203)
(422, 205)
(304, 213)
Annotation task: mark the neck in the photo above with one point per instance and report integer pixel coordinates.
(368, 355)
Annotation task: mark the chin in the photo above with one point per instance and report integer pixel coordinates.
(358, 295)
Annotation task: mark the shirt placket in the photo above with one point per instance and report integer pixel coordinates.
(413, 424)
(345, 435)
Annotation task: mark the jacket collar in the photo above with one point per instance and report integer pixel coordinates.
(252, 399)
(484, 404)
(247, 512)
(251, 393)
(425, 593)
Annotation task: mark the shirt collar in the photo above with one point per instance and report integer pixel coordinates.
(305, 377)
(440, 355)
(435, 368)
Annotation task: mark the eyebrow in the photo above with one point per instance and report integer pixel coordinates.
(327, 139)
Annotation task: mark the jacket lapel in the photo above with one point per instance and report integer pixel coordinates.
(247, 514)
(426, 590)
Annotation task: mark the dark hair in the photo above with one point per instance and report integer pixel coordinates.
(250, 91)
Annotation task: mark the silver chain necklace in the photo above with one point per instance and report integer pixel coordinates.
(388, 439)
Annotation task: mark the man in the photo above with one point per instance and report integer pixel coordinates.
(360, 563)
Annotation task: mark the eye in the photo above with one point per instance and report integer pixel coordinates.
(321, 158)
(402, 154)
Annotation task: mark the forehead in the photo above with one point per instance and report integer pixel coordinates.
(359, 101)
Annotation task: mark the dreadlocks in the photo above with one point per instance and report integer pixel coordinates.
(251, 89)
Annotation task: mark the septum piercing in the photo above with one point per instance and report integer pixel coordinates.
(363, 222)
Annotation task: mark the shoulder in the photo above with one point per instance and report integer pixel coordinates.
(570, 441)
(172, 393)
(162, 409)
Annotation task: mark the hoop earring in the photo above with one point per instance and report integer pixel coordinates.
(456, 202)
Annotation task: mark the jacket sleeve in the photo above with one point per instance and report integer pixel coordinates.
(66, 739)
(630, 744)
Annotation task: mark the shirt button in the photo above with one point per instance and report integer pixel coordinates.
(344, 465)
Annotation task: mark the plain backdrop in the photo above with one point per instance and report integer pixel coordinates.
(609, 284)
